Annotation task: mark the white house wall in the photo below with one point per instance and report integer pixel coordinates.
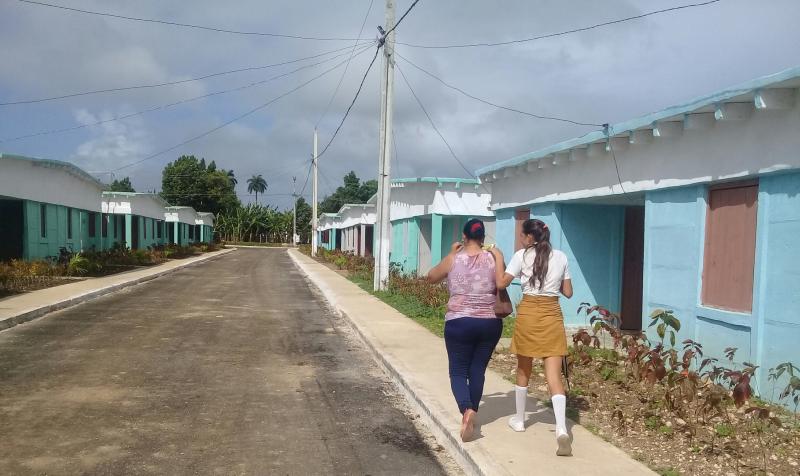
(142, 205)
(722, 150)
(31, 180)
(413, 199)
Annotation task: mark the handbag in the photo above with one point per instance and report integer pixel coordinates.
(502, 305)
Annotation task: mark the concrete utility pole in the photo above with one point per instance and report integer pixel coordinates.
(314, 243)
(383, 227)
(294, 211)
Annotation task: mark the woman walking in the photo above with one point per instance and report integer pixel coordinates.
(471, 328)
(539, 328)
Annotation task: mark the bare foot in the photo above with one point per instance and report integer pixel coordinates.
(468, 424)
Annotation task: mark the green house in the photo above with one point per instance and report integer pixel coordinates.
(47, 206)
(135, 219)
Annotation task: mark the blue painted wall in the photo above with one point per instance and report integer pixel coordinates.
(778, 276)
(505, 229)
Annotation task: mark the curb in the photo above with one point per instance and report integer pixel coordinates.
(431, 416)
(32, 314)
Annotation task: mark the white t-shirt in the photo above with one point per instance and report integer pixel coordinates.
(521, 266)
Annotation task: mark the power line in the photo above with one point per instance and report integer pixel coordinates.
(177, 103)
(310, 166)
(231, 121)
(432, 123)
(341, 78)
(484, 101)
(184, 25)
(401, 19)
(561, 33)
(360, 86)
(170, 83)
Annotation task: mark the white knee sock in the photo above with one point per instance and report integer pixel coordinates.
(560, 409)
(521, 395)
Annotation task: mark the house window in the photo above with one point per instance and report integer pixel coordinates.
(92, 224)
(69, 223)
(159, 225)
(519, 218)
(104, 225)
(730, 247)
(43, 220)
(144, 225)
(116, 226)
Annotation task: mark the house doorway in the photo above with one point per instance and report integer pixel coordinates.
(11, 231)
(633, 269)
(338, 235)
(134, 232)
(369, 237)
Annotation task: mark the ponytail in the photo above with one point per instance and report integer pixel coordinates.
(541, 239)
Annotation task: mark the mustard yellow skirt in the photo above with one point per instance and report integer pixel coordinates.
(539, 328)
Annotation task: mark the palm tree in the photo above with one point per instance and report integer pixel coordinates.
(231, 177)
(256, 184)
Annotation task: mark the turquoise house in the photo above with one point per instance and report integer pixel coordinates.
(46, 206)
(204, 227)
(695, 208)
(135, 219)
(427, 216)
(329, 231)
(181, 225)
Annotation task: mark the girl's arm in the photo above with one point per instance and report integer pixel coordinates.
(502, 278)
(566, 288)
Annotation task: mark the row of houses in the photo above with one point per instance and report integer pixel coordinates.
(695, 208)
(47, 205)
(426, 213)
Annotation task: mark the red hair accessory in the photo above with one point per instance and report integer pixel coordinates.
(475, 227)
(544, 226)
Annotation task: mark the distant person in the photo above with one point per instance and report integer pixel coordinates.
(539, 327)
(471, 329)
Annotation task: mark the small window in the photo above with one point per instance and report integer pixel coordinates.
(159, 225)
(730, 247)
(519, 218)
(144, 225)
(92, 224)
(104, 225)
(43, 220)
(116, 226)
(69, 223)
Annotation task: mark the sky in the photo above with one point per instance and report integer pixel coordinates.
(605, 75)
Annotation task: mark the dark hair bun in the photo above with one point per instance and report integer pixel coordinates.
(474, 230)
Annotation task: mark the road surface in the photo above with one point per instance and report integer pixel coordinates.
(231, 367)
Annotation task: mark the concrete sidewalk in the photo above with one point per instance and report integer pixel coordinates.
(417, 360)
(15, 310)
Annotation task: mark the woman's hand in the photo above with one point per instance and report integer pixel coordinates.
(498, 255)
(456, 247)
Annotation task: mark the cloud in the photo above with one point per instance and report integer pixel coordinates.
(607, 74)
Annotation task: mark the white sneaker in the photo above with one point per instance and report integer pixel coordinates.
(516, 424)
(564, 444)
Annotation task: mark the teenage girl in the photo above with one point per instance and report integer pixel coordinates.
(539, 328)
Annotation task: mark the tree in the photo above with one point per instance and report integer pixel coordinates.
(304, 213)
(188, 182)
(256, 184)
(353, 191)
(230, 175)
(123, 185)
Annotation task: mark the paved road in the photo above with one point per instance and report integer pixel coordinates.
(231, 367)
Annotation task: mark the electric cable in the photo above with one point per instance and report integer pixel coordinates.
(183, 25)
(402, 17)
(484, 101)
(347, 112)
(562, 33)
(176, 103)
(170, 83)
(341, 78)
(231, 121)
(452, 153)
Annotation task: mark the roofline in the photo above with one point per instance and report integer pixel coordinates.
(156, 196)
(58, 163)
(353, 205)
(437, 180)
(648, 119)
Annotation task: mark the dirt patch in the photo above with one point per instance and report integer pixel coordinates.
(631, 415)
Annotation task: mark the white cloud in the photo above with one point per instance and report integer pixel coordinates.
(111, 144)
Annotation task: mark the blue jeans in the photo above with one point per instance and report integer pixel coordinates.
(470, 342)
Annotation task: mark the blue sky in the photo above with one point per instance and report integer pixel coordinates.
(605, 75)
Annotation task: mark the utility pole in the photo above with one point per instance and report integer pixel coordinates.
(384, 167)
(294, 211)
(314, 243)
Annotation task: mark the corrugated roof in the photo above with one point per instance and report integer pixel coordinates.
(67, 166)
(786, 78)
